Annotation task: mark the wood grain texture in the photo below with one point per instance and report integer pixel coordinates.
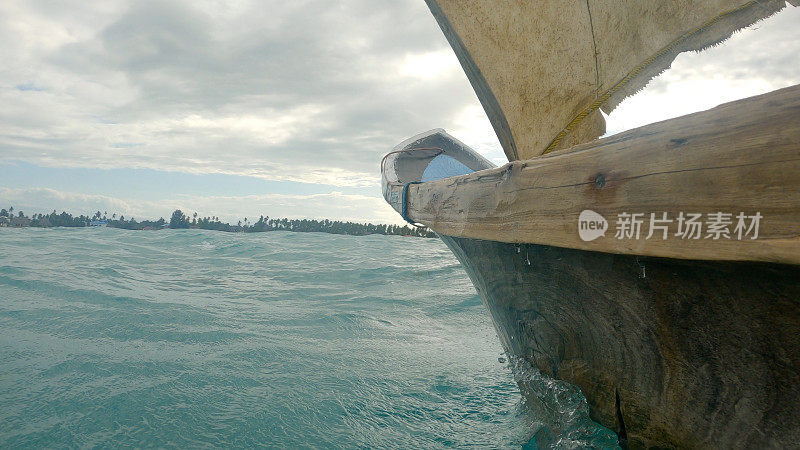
(742, 156)
(699, 354)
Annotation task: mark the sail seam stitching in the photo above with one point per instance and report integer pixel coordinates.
(632, 74)
(594, 43)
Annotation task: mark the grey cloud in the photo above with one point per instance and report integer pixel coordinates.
(155, 62)
(302, 90)
(768, 50)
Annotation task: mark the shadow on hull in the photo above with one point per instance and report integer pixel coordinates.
(667, 352)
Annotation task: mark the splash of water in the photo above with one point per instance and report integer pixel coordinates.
(562, 411)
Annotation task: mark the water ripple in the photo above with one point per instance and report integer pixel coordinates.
(190, 338)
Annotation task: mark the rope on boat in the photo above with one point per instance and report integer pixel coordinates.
(632, 74)
(404, 204)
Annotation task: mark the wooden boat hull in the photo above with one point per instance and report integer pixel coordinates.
(674, 353)
(675, 340)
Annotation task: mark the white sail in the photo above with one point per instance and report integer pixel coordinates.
(543, 68)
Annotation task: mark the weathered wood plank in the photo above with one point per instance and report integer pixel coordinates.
(740, 157)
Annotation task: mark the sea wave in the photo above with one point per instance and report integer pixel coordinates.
(192, 338)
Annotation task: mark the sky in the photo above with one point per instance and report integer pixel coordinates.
(242, 108)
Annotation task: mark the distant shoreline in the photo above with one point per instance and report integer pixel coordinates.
(17, 219)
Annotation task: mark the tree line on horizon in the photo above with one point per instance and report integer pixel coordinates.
(180, 220)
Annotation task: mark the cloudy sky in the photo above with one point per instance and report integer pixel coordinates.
(240, 108)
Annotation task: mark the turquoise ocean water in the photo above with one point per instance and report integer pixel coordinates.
(190, 338)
